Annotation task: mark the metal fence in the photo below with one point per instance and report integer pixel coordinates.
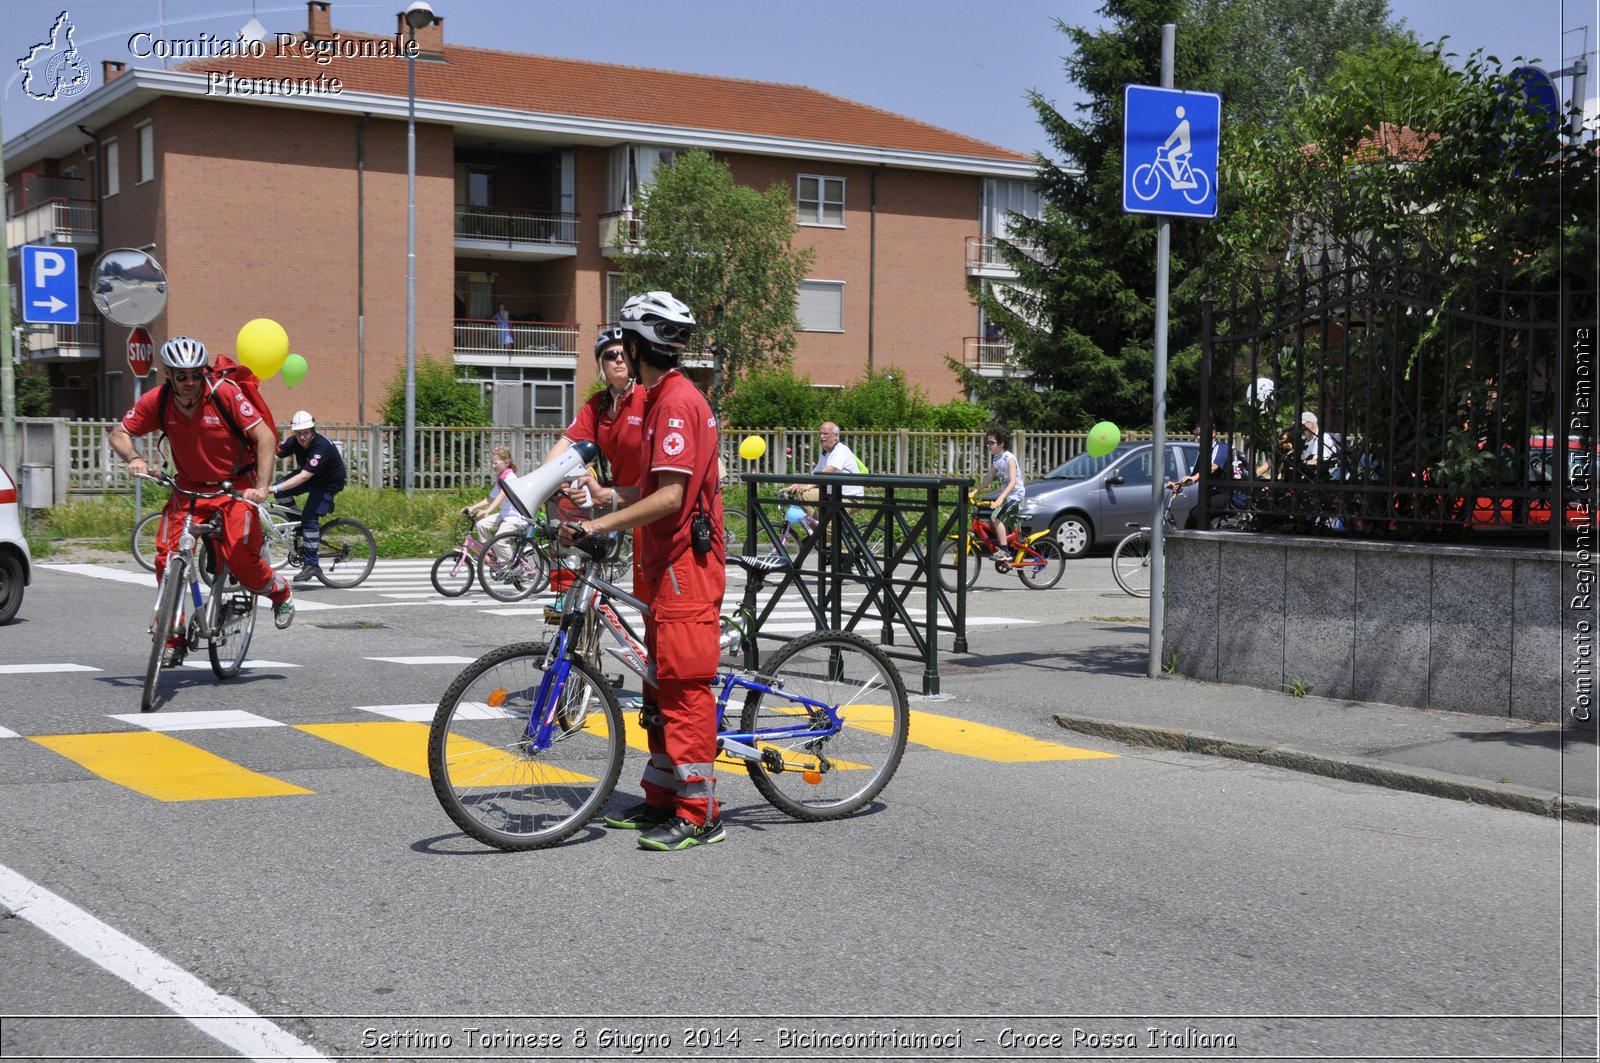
(1440, 408)
(456, 458)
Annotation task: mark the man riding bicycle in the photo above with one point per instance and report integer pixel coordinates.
(216, 436)
(320, 475)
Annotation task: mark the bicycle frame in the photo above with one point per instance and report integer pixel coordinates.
(592, 592)
(980, 538)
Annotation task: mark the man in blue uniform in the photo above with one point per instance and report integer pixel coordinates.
(320, 475)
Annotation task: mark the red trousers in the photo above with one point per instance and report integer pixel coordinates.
(241, 543)
(682, 635)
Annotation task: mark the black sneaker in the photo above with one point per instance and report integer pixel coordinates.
(306, 574)
(679, 833)
(640, 817)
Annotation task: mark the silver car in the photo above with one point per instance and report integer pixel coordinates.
(16, 563)
(1090, 501)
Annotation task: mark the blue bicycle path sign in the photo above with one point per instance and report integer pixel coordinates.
(1170, 143)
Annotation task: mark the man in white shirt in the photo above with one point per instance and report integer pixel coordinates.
(1321, 448)
(835, 457)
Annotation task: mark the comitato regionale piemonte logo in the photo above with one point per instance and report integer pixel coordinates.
(54, 70)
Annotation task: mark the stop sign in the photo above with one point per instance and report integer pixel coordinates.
(141, 351)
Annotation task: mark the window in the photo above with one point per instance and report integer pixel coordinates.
(616, 295)
(113, 166)
(820, 199)
(525, 395)
(147, 152)
(820, 306)
(1001, 199)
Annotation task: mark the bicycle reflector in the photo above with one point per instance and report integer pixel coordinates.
(812, 776)
(496, 698)
(795, 515)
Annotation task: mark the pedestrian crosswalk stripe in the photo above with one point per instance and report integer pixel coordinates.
(7, 733)
(20, 669)
(424, 660)
(394, 744)
(196, 720)
(417, 712)
(165, 768)
(953, 735)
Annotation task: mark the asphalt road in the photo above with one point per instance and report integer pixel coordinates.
(1145, 903)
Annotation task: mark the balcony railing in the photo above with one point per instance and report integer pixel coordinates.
(55, 221)
(988, 354)
(619, 229)
(984, 257)
(478, 337)
(64, 341)
(503, 224)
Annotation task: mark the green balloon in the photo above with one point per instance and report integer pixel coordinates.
(1103, 437)
(294, 369)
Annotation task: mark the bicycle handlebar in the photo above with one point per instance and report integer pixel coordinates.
(168, 482)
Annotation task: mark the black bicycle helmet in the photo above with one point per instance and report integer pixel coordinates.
(607, 337)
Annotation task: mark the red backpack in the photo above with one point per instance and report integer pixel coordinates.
(228, 369)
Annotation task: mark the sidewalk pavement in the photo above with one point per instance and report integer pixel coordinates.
(1091, 678)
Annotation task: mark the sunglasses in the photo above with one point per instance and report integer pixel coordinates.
(184, 378)
(613, 356)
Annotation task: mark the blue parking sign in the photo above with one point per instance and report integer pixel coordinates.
(1170, 143)
(49, 284)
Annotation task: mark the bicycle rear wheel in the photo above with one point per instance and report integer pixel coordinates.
(1042, 565)
(453, 573)
(814, 776)
(143, 540)
(1130, 564)
(168, 599)
(235, 610)
(950, 556)
(526, 572)
(347, 553)
(488, 775)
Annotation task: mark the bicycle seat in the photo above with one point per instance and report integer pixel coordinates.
(760, 566)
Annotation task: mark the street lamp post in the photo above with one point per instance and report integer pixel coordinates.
(418, 16)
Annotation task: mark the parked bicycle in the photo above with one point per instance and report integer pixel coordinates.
(221, 612)
(1130, 562)
(527, 744)
(347, 554)
(1037, 559)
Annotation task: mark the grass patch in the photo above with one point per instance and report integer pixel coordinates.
(1297, 687)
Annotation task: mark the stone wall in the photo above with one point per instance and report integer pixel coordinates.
(1467, 629)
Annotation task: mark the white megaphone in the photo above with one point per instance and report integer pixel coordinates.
(532, 489)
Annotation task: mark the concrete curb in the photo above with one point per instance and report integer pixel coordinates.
(1353, 769)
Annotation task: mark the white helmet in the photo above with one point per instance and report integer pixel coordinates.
(182, 352)
(661, 319)
(301, 421)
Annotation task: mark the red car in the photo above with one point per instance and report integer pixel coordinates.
(1542, 462)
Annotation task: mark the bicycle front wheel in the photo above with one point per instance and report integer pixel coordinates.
(453, 573)
(526, 572)
(347, 553)
(1042, 565)
(1130, 564)
(168, 600)
(493, 779)
(234, 609)
(951, 557)
(143, 540)
(812, 775)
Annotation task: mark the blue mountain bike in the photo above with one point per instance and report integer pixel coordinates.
(527, 744)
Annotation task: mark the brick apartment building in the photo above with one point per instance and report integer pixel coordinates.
(272, 183)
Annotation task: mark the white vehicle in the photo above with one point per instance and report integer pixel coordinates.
(16, 563)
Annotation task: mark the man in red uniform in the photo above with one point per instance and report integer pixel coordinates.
(216, 435)
(682, 574)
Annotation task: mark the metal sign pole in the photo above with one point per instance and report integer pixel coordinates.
(1158, 418)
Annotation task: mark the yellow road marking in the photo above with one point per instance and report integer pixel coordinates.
(404, 746)
(165, 768)
(952, 735)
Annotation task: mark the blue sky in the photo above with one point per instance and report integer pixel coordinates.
(955, 63)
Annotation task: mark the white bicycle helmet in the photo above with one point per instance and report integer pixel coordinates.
(183, 352)
(607, 337)
(301, 420)
(661, 319)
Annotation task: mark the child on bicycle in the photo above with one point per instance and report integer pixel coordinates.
(1006, 470)
(488, 522)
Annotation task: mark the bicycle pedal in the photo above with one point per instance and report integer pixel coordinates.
(616, 681)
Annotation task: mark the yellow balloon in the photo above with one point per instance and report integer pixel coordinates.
(752, 447)
(261, 346)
